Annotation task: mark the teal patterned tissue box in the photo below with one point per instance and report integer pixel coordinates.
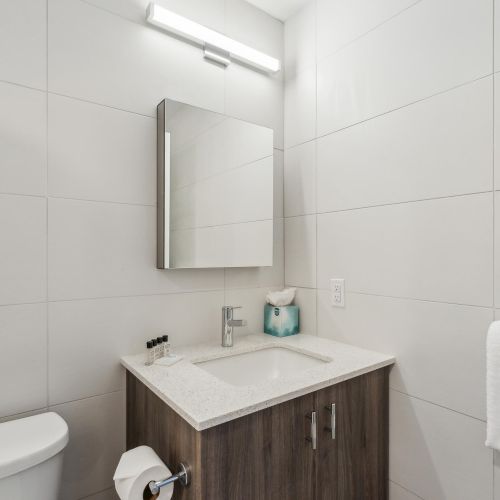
(281, 321)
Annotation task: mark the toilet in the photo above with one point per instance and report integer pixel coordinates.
(31, 456)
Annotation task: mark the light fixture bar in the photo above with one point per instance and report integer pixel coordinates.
(168, 20)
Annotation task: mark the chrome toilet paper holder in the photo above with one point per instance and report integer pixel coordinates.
(183, 476)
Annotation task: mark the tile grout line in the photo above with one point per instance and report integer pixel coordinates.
(393, 110)
(381, 205)
(315, 167)
(493, 202)
(447, 408)
(396, 297)
(86, 398)
(406, 489)
(47, 325)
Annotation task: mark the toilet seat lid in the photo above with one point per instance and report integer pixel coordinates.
(29, 441)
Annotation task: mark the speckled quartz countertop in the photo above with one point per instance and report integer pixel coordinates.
(204, 400)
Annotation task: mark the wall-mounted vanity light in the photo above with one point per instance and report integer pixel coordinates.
(217, 47)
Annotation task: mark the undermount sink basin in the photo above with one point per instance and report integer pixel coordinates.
(259, 366)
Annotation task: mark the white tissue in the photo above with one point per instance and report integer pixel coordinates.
(282, 298)
(136, 469)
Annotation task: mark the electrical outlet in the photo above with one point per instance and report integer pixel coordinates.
(337, 288)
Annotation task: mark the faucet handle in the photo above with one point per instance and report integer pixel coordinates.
(230, 308)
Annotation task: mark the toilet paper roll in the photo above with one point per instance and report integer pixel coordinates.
(137, 467)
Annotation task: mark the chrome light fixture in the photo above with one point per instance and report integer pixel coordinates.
(217, 46)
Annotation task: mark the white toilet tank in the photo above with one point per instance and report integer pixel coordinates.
(31, 453)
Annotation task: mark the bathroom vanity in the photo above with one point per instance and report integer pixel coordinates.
(304, 418)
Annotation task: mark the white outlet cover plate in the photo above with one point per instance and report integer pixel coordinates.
(337, 289)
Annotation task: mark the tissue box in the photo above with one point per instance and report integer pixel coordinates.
(281, 321)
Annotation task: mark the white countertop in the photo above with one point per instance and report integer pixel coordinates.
(204, 400)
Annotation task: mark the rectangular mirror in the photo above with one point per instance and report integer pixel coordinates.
(215, 190)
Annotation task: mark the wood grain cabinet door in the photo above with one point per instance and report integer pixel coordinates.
(326, 457)
(359, 453)
(291, 462)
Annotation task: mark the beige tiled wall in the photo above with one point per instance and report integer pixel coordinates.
(390, 183)
(79, 85)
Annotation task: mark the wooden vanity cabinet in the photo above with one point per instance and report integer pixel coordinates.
(269, 455)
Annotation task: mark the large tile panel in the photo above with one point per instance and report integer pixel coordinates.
(124, 64)
(23, 358)
(23, 140)
(23, 253)
(300, 179)
(300, 251)
(437, 453)
(100, 153)
(442, 146)
(443, 338)
(423, 250)
(96, 441)
(207, 12)
(300, 107)
(106, 249)
(395, 65)
(300, 42)
(23, 48)
(103, 330)
(342, 21)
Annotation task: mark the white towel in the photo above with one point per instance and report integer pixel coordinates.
(493, 386)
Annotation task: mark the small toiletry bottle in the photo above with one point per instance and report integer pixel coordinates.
(159, 340)
(150, 354)
(166, 346)
(155, 349)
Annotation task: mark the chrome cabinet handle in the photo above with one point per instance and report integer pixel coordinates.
(333, 423)
(313, 439)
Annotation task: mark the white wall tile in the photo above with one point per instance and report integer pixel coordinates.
(255, 97)
(23, 134)
(300, 107)
(278, 180)
(23, 358)
(496, 470)
(255, 277)
(306, 300)
(300, 251)
(437, 453)
(88, 337)
(23, 226)
(421, 151)
(300, 179)
(89, 464)
(207, 12)
(496, 79)
(442, 337)
(23, 415)
(423, 250)
(300, 41)
(377, 74)
(100, 153)
(397, 492)
(342, 21)
(497, 246)
(496, 16)
(105, 249)
(252, 26)
(124, 64)
(23, 48)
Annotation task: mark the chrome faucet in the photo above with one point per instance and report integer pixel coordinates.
(228, 323)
